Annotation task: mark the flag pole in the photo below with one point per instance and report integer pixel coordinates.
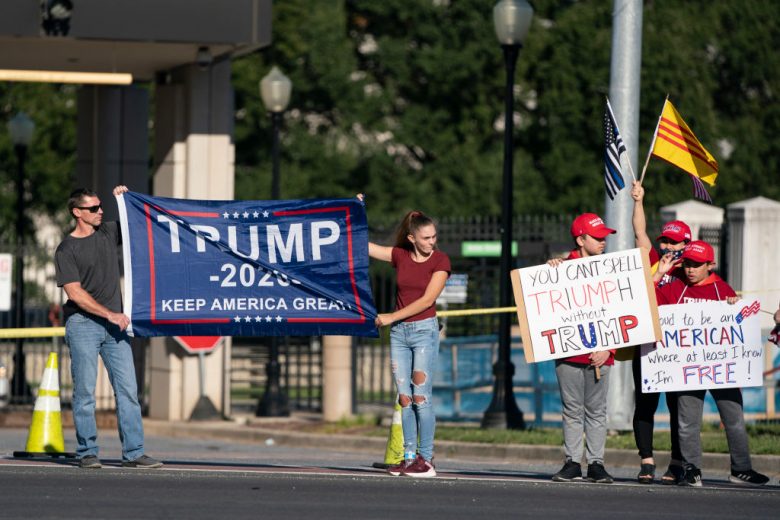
(652, 143)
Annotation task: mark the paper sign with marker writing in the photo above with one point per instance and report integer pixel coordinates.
(586, 305)
(704, 346)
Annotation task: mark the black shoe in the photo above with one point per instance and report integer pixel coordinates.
(597, 473)
(673, 476)
(748, 478)
(144, 461)
(569, 472)
(692, 477)
(90, 462)
(646, 474)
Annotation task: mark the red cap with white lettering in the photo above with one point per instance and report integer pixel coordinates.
(699, 251)
(590, 224)
(676, 230)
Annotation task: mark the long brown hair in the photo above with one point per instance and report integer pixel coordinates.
(413, 221)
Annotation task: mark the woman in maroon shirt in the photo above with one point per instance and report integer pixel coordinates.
(421, 272)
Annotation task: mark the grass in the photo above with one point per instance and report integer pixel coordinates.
(764, 437)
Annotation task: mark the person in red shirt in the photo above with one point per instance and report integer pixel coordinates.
(583, 379)
(701, 284)
(421, 272)
(675, 235)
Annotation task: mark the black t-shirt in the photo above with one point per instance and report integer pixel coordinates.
(94, 262)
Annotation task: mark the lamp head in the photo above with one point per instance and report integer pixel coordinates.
(21, 128)
(512, 19)
(275, 89)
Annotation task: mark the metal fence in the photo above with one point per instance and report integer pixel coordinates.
(538, 238)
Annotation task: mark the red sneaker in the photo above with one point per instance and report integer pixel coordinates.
(398, 469)
(420, 468)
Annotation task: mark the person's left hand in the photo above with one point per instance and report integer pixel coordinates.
(120, 190)
(599, 358)
(731, 300)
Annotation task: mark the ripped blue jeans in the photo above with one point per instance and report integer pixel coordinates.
(414, 349)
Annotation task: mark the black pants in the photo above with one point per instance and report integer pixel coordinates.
(644, 412)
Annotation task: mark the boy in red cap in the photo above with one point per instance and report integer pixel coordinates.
(583, 395)
(701, 284)
(675, 235)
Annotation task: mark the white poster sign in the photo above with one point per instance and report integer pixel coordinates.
(705, 345)
(586, 305)
(6, 268)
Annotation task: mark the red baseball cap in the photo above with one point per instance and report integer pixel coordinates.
(590, 224)
(676, 230)
(699, 251)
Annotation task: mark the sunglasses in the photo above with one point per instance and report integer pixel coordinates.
(91, 209)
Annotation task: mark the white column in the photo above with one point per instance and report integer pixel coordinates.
(194, 159)
(754, 235)
(336, 377)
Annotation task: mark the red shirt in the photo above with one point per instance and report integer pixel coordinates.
(584, 359)
(412, 278)
(678, 291)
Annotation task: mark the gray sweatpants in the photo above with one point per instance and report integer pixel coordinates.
(584, 408)
(729, 401)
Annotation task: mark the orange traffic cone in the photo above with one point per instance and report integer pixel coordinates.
(45, 438)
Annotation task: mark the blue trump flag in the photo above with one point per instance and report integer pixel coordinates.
(245, 268)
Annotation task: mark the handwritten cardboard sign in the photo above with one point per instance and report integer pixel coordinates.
(705, 345)
(586, 305)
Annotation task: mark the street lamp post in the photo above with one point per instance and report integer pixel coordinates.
(512, 19)
(275, 90)
(21, 128)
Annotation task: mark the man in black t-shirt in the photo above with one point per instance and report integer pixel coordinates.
(87, 268)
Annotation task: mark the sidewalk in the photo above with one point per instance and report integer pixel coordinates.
(286, 432)
(291, 432)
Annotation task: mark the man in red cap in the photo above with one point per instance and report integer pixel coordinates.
(583, 395)
(700, 284)
(675, 235)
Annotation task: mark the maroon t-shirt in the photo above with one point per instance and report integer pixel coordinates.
(584, 359)
(678, 291)
(412, 278)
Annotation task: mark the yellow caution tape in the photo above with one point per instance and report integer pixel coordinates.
(473, 312)
(33, 332)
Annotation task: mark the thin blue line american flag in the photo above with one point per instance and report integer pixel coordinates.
(614, 148)
(699, 191)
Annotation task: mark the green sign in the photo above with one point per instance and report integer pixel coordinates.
(484, 248)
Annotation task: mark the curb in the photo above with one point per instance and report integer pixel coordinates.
(231, 431)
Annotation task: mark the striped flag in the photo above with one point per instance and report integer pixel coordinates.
(699, 191)
(676, 144)
(614, 148)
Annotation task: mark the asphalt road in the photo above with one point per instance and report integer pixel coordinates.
(211, 479)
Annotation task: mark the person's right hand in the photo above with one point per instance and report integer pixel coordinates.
(361, 197)
(666, 263)
(554, 262)
(119, 319)
(120, 190)
(637, 192)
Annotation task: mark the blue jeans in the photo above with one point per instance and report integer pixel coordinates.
(414, 348)
(88, 337)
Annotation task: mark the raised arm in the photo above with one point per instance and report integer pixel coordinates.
(384, 253)
(638, 220)
(432, 291)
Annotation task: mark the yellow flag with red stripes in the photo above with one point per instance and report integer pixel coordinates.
(676, 144)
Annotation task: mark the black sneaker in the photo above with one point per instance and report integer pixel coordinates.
(748, 478)
(90, 462)
(692, 477)
(144, 461)
(569, 472)
(597, 473)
